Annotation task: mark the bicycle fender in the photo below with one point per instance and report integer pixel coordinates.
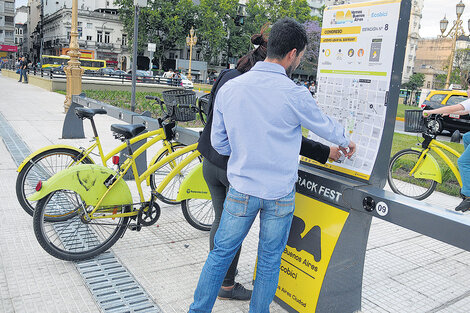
(32, 155)
(88, 181)
(194, 186)
(429, 168)
(154, 159)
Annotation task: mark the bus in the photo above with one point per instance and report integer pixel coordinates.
(52, 61)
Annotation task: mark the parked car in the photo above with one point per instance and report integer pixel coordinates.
(452, 122)
(186, 83)
(106, 71)
(142, 76)
(119, 73)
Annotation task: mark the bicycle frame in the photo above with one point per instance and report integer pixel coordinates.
(139, 179)
(430, 171)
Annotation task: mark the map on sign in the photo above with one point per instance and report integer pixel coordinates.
(354, 72)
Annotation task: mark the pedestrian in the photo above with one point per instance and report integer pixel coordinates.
(311, 88)
(215, 165)
(463, 162)
(23, 70)
(257, 120)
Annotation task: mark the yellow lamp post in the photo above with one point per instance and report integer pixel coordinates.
(456, 31)
(191, 40)
(73, 70)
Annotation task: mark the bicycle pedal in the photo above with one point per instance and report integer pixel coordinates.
(134, 227)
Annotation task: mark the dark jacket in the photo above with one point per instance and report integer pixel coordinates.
(309, 148)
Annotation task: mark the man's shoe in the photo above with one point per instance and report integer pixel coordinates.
(464, 205)
(238, 292)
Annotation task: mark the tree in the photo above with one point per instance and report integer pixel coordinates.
(163, 22)
(311, 53)
(416, 81)
(262, 11)
(217, 28)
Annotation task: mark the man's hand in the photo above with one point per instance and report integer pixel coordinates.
(335, 153)
(352, 149)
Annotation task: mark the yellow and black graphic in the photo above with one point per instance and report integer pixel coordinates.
(315, 230)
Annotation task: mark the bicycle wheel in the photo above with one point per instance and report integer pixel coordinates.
(171, 190)
(402, 183)
(42, 167)
(199, 213)
(74, 238)
(203, 106)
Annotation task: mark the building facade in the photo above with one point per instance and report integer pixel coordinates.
(413, 38)
(432, 56)
(100, 34)
(8, 48)
(21, 31)
(316, 7)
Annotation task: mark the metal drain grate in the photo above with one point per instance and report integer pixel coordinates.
(111, 284)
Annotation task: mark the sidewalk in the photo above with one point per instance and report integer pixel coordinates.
(404, 271)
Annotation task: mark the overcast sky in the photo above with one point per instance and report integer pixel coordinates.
(433, 12)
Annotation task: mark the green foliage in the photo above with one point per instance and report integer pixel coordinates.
(164, 22)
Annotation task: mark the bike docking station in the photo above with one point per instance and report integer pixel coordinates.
(359, 74)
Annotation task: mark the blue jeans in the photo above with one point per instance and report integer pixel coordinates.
(464, 166)
(240, 211)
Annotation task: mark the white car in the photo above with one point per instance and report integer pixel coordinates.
(186, 83)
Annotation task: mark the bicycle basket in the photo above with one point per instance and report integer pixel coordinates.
(180, 104)
(204, 103)
(414, 121)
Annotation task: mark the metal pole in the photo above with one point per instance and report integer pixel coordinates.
(134, 57)
(452, 53)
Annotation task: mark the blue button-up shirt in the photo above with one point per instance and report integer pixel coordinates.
(257, 122)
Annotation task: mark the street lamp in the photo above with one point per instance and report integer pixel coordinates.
(73, 71)
(191, 40)
(456, 31)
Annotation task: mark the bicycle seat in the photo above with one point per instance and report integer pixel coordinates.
(88, 113)
(127, 131)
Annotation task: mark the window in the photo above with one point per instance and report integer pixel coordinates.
(99, 37)
(428, 85)
(172, 56)
(437, 98)
(106, 37)
(80, 23)
(89, 38)
(124, 40)
(455, 99)
(408, 69)
(9, 19)
(89, 25)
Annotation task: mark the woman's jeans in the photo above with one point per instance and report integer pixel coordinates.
(464, 166)
(216, 179)
(240, 210)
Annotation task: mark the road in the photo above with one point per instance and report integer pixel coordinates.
(400, 128)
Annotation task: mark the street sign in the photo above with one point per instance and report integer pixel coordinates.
(152, 47)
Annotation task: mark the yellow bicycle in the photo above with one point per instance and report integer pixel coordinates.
(414, 172)
(47, 161)
(83, 210)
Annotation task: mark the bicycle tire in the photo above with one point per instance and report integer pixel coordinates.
(73, 239)
(202, 112)
(200, 215)
(402, 183)
(170, 192)
(37, 169)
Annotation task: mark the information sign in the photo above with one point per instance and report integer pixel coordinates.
(354, 74)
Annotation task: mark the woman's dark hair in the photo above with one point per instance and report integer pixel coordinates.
(286, 34)
(259, 54)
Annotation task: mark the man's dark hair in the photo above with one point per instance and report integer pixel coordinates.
(286, 34)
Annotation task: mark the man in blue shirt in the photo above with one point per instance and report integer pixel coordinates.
(257, 122)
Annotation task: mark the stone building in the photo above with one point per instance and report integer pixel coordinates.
(7, 29)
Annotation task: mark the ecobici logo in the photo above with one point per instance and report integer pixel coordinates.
(195, 191)
(378, 14)
(310, 243)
